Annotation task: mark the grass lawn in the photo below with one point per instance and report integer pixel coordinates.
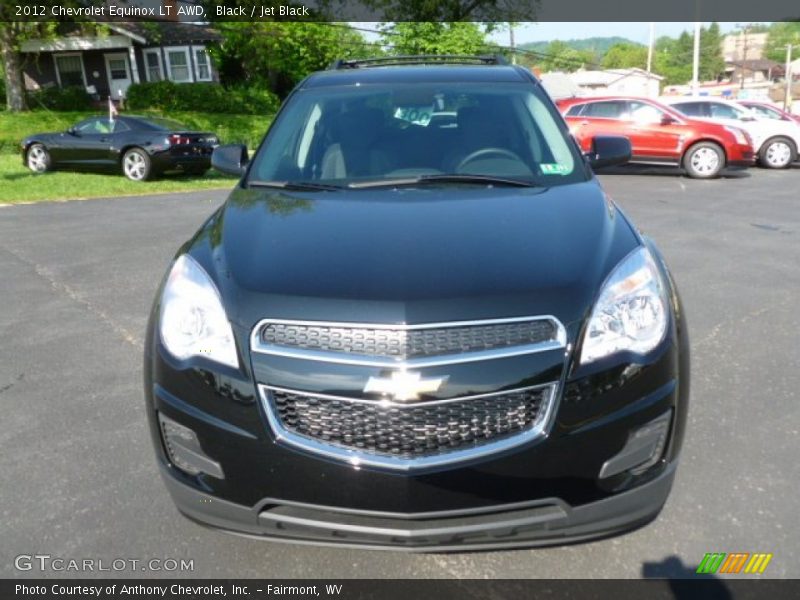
(18, 184)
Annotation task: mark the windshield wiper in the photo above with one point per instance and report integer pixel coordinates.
(298, 186)
(444, 178)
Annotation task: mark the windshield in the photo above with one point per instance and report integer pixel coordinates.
(765, 111)
(450, 133)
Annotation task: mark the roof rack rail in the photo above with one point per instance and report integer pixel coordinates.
(422, 59)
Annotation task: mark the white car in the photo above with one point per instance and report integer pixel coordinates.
(774, 142)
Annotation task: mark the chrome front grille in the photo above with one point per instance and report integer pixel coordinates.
(423, 430)
(399, 424)
(408, 343)
(418, 345)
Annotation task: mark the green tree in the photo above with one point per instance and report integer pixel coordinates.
(559, 56)
(279, 54)
(781, 35)
(434, 38)
(14, 33)
(625, 56)
(712, 63)
(672, 58)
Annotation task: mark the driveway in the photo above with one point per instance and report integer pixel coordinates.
(77, 474)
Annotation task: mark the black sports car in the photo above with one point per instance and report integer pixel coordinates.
(419, 333)
(139, 147)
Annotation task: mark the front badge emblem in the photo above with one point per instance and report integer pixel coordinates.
(404, 386)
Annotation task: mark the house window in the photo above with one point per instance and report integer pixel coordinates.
(69, 70)
(178, 64)
(152, 59)
(202, 65)
(118, 68)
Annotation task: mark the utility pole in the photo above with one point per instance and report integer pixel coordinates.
(650, 47)
(787, 97)
(696, 61)
(744, 56)
(512, 43)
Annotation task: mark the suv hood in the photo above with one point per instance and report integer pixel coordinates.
(413, 255)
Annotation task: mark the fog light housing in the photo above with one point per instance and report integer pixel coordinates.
(184, 451)
(644, 448)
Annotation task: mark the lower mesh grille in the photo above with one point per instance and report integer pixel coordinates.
(410, 431)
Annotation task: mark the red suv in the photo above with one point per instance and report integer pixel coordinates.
(659, 134)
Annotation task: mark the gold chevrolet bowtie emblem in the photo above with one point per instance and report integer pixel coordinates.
(404, 386)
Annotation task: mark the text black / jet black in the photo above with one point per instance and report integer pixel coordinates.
(419, 323)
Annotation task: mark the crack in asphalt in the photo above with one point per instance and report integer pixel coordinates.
(716, 329)
(66, 290)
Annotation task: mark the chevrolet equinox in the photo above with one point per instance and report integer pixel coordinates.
(418, 322)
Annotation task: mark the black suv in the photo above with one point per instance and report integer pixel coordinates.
(418, 322)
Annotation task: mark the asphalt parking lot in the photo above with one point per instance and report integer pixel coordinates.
(78, 477)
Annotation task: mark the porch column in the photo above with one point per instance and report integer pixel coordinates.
(134, 66)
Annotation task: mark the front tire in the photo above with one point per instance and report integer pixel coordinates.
(777, 153)
(136, 165)
(704, 160)
(38, 159)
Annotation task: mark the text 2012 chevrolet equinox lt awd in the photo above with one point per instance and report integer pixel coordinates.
(418, 322)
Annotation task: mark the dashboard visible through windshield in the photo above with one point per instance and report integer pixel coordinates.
(372, 135)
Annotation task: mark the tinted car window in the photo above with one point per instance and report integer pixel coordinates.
(574, 111)
(642, 112)
(95, 126)
(692, 109)
(612, 109)
(765, 111)
(723, 111)
(119, 127)
(349, 134)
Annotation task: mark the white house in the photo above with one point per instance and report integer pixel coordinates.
(559, 85)
(617, 82)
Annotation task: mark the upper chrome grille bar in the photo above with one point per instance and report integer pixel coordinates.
(258, 345)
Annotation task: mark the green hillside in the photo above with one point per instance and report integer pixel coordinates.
(596, 45)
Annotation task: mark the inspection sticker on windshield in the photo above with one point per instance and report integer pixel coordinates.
(554, 169)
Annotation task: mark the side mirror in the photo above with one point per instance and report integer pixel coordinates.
(73, 131)
(668, 120)
(231, 159)
(608, 150)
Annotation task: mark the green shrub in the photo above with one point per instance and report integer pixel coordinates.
(53, 98)
(202, 97)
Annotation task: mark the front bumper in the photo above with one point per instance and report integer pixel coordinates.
(537, 523)
(741, 156)
(553, 491)
(556, 489)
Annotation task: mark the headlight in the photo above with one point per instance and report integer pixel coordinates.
(193, 322)
(740, 136)
(631, 312)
